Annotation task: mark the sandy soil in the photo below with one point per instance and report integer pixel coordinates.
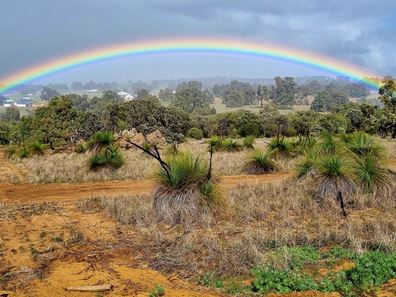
(63, 192)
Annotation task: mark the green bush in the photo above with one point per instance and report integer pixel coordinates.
(230, 145)
(249, 129)
(268, 280)
(260, 162)
(195, 133)
(280, 147)
(184, 170)
(216, 143)
(81, 148)
(101, 140)
(157, 292)
(23, 152)
(109, 158)
(37, 148)
(248, 142)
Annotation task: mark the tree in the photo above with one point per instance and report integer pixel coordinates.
(190, 98)
(47, 94)
(328, 100)
(166, 95)
(111, 96)
(262, 94)
(284, 91)
(12, 114)
(305, 123)
(237, 94)
(388, 97)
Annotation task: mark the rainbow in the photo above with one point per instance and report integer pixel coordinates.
(161, 46)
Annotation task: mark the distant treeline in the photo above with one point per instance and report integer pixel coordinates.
(70, 118)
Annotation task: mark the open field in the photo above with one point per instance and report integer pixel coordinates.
(62, 226)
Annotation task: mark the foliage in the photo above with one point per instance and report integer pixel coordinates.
(184, 170)
(101, 140)
(23, 152)
(284, 91)
(190, 98)
(248, 142)
(210, 279)
(236, 93)
(280, 147)
(195, 133)
(260, 162)
(230, 145)
(47, 94)
(269, 280)
(166, 95)
(37, 148)
(11, 114)
(372, 175)
(157, 292)
(110, 157)
(327, 100)
(363, 145)
(81, 148)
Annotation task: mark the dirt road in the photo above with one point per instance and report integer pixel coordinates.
(65, 192)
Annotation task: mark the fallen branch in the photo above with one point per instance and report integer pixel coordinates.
(99, 288)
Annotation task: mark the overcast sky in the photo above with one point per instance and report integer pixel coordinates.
(358, 31)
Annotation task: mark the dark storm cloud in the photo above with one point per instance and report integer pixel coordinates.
(359, 31)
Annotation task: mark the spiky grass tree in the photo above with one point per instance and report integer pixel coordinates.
(105, 153)
(280, 148)
(334, 177)
(307, 167)
(230, 145)
(248, 142)
(100, 141)
(328, 144)
(260, 162)
(37, 148)
(363, 145)
(372, 175)
(185, 186)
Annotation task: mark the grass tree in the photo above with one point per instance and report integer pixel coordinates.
(185, 186)
(260, 162)
(280, 148)
(105, 153)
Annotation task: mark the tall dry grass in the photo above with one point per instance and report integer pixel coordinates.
(254, 220)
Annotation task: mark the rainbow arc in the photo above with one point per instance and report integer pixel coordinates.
(164, 46)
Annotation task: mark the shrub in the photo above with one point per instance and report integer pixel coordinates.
(280, 147)
(249, 129)
(328, 144)
(269, 280)
(23, 152)
(371, 175)
(80, 148)
(230, 145)
(248, 142)
(195, 133)
(307, 167)
(38, 148)
(157, 292)
(260, 162)
(334, 176)
(100, 140)
(363, 145)
(184, 189)
(216, 143)
(109, 158)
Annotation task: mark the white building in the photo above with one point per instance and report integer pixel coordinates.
(126, 96)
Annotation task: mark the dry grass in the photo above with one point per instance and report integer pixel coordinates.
(73, 167)
(255, 219)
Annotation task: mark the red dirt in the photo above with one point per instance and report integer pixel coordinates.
(66, 191)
